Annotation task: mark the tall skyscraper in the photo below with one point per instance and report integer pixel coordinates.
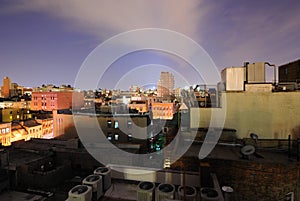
(5, 92)
(165, 85)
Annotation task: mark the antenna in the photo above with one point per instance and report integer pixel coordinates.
(254, 137)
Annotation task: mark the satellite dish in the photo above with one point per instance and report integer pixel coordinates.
(227, 189)
(248, 150)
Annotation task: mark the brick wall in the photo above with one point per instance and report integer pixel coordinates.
(258, 181)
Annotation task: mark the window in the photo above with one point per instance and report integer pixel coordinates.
(116, 136)
(109, 136)
(129, 137)
(108, 123)
(285, 70)
(129, 124)
(116, 124)
(7, 130)
(3, 130)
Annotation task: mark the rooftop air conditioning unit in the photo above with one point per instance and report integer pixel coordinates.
(94, 181)
(145, 191)
(209, 194)
(80, 193)
(105, 172)
(191, 193)
(164, 191)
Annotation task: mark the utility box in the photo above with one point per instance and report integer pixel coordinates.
(234, 78)
(256, 73)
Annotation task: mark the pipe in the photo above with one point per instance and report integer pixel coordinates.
(274, 70)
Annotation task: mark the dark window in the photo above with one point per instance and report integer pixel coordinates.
(285, 70)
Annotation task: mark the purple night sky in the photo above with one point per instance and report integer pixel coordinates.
(43, 42)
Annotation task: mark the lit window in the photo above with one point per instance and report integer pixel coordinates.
(7, 130)
(129, 124)
(18, 116)
(116, 124)
(108, 123)
(129, 137)
(116, 136)
(3, 130)
(109, 136)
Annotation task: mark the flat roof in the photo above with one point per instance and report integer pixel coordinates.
(19, 196)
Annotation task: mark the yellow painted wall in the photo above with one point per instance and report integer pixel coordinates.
(270, 115)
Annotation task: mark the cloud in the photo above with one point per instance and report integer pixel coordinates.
(110, 17)
(231, 32)
(257, 31)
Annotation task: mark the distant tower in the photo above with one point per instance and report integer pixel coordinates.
(165, 85)
(6, 87)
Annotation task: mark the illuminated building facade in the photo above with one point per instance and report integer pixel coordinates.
(5, 134)
(25, 130)
(47, 127)
(5, 91)
(140, 104)
(118, 129)
(165, 85)
(163, 110)
(49, 101)
(14, 114)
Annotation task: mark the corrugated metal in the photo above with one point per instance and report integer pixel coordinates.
(234, 78)
(256, 73)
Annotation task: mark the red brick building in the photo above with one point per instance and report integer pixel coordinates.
(49, 101)
(163, 110)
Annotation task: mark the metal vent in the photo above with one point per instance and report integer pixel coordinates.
(79, 189)
(92, 178)
(166, 188)
(146, 185)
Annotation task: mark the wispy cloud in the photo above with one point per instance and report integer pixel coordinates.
(257, 31)
(231, 32)
(109, 17)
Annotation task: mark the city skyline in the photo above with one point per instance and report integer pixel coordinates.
(46, 42)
